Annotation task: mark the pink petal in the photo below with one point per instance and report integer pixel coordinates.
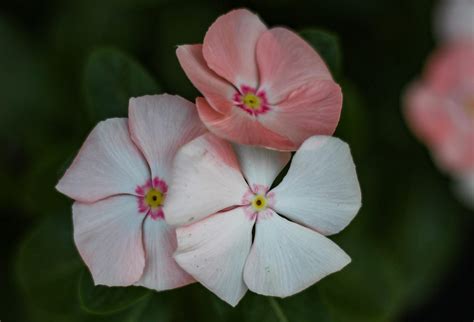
(438, 110)
(161, 270)
(456, 154)
(108, 235)
(261, 166)
(427, 116)
(214, 251)
(160, 125)
(241, 128)
(107, 164)
(313, 109)
(286, 62)
(321, 189)
(229, 47)
(217, 91)
(286, 258)
(206, 179)
(451, 67)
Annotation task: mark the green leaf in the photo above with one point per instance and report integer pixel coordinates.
(48, 265)
(368, 288)
(259, 308)
(327, 45)
(107, 300)
(426, 236)
(303, 307)
(306, 306)
(111, 78)
(48, 271)
(148, 310)
(354, 125)
(157, 308)
(189, 27)
(43, 175)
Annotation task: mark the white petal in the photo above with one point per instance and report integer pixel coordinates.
(108, 235)
(465, 188)
(161, 270)
(107, 164)
(214, 251)
(454, 20)
(259, 165)
(286, 257)
(160, 125)
(321, 189)
(206, 178)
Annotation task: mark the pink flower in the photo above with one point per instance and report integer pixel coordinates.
(264, 87)
(222, 196)
(119, 181)
(440, 107)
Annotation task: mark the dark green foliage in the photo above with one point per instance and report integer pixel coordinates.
(327, 45)
(110, 80)
(107, 300)
(64, 66)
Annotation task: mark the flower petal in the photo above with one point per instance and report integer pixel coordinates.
(241, 128)
(229, 47)
(321, 189)
(286, 257)
(464, 187)
(218, 92)
(108, 235)
(206, 179)
(426, 115)
(313, 109)
(160, 125)
(107, 164)
(439, 123)
(161, 270)
(456, 154)
(260, 166)
(286, 62)
(450, 68)
(214, 251)
(454, 20)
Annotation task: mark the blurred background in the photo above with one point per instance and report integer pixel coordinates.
(65, 65)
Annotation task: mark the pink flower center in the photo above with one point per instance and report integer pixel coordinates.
(252, 101)
(151, 197)
(258, 202)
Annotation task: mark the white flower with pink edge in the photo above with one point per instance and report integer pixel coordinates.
(220, 195)
(119, 181)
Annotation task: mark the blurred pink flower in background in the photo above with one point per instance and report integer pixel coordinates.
(264, 87)
(220, 194)
(119, 181)
(454, 20)
(440, 111)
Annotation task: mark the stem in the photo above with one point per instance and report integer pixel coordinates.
(278, 310)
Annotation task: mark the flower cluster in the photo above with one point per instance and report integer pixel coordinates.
(440, 106)
(179, 192)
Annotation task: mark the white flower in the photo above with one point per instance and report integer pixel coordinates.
(222, 196)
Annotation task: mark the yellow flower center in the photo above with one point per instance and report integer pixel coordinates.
(259, 203)
(154, 198)
(252, 101)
